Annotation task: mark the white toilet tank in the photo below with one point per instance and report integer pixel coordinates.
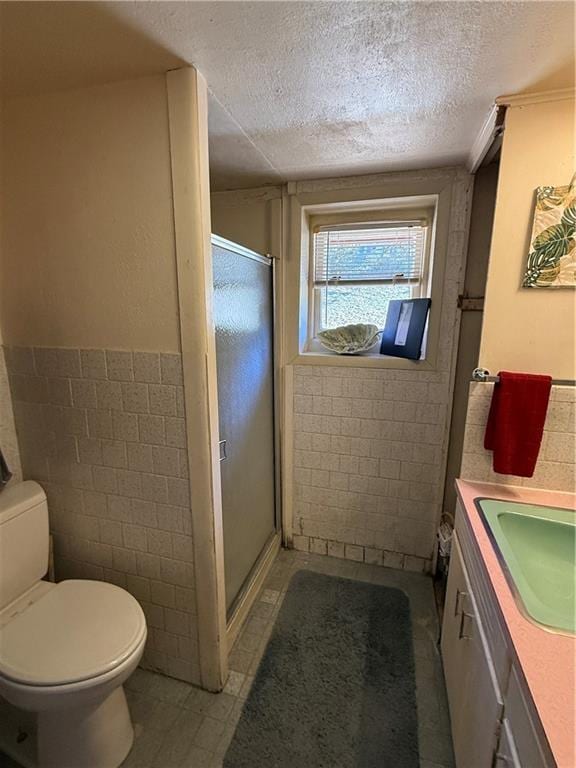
(24, 539)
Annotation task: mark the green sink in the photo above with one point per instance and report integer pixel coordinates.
(536, 546)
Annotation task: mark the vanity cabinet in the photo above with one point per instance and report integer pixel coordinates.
(506, 755)
(493, 724)
(474, 698)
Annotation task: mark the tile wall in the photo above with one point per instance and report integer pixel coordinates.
(103, 431)
(556, 466)
(370, 444)
(369, 449)
(8, 440)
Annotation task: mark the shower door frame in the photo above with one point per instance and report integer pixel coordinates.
(247, 594)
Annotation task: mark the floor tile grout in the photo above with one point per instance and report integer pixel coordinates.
(180, 726)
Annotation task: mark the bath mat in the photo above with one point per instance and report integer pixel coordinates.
(335, 687)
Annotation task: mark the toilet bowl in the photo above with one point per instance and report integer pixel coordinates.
(65, 651)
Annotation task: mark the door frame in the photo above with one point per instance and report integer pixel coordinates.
(188, 131)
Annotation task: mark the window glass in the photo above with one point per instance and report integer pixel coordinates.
(345, 304)
(359, 268)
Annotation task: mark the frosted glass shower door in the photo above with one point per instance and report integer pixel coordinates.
(244, 321)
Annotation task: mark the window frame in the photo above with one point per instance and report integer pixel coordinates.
(385, 215)
(442, 190)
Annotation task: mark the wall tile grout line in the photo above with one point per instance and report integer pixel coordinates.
(103, 432)
(556, 465)
(370, 445)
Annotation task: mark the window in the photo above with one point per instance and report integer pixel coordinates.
(351, 249)
(357, 268)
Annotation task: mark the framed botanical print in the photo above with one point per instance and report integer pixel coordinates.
(552, 257)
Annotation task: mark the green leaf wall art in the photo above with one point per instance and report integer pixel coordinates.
(552, 257)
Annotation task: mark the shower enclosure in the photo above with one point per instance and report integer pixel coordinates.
(244, 323)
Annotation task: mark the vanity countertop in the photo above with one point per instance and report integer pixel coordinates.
(546, 659)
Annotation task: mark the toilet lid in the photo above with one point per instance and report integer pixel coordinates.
(76, 631)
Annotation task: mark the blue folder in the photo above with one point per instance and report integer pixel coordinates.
(405, 326)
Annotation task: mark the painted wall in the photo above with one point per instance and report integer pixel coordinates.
(89, 313)
(8, 438)
(88, 243)
(530, 330)
(250, 217)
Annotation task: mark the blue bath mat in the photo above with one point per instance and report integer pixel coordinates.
(335, 687)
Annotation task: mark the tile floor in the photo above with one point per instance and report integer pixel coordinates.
(179, 726)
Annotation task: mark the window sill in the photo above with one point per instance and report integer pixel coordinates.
(361, 361)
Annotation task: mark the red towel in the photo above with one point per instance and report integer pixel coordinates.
(516, 422)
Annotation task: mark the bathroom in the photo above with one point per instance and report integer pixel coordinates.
(222, 543)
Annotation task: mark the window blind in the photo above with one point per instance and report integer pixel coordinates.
(360, 253)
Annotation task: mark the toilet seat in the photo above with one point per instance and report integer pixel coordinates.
(79, 630)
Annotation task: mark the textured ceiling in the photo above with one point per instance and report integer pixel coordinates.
(307, 89)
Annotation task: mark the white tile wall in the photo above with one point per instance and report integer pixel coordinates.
(369, 450)
(103, 431)
(556, 466)
(370, 444)
(8, 440)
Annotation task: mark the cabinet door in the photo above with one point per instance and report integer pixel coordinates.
(481, 713)
(473, 696)
(529, 739)
(506, 755)
(455, 653)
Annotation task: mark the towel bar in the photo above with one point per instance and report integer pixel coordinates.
(481, 374)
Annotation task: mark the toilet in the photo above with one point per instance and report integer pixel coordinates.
(65, 650)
